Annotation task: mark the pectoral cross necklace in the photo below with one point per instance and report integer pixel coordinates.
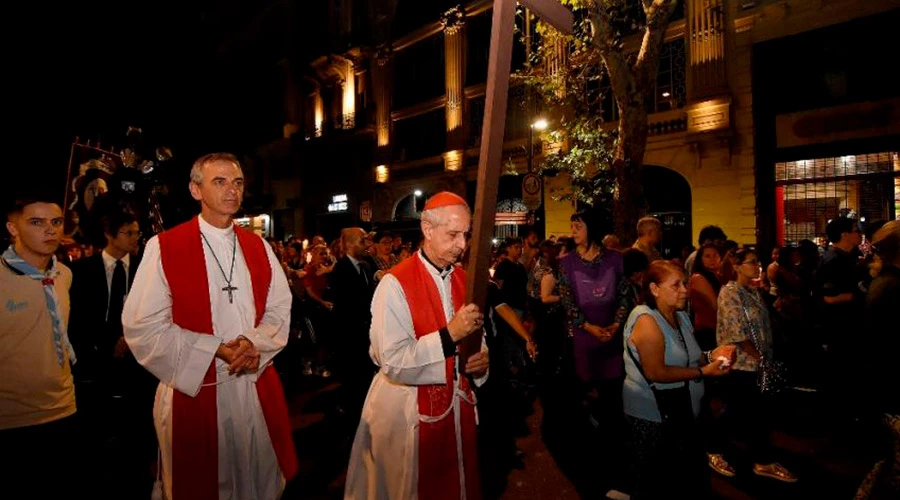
(228, 289)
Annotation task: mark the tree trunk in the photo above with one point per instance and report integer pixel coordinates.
(631, 86)
(629, 202)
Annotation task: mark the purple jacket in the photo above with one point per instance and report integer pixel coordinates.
(590, 294)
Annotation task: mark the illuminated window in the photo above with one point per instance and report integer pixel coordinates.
(811, 192)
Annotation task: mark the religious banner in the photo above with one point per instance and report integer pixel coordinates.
(91, 170)
(104, 178)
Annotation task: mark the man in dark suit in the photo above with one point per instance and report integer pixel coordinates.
(353, 283)
(99, 285)
(113, 392)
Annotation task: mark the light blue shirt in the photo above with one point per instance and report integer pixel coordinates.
(637, 397)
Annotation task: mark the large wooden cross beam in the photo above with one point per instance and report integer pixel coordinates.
(489, 161)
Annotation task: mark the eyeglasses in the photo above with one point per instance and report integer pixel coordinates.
(131, 234)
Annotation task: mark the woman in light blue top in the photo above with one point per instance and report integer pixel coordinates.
(663, 385)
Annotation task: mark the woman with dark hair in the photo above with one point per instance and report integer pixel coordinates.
(553, 382)
(317, 310)
(743, 321)
(728, 271)
(547, 253)
(704, 287)
(664, 384)
(704, 292)
(589, 279)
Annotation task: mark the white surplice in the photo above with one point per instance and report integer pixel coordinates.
(384, 457)
(179, 358)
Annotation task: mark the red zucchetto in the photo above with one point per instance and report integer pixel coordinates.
(444, 199)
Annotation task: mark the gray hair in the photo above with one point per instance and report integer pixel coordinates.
(646, 223)
(197, 168)
(438, 216)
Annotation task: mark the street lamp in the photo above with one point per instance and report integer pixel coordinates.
(539, 125)
(417, 192)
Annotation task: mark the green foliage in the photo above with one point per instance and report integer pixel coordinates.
(579, 93)
(626, 17)
(588, 161)
(580, 97)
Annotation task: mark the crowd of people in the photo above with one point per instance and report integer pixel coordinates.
(623, 333)
(173, 348)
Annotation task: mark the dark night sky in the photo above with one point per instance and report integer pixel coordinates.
(196, 76)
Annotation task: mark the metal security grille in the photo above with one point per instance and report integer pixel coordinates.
(809, 193)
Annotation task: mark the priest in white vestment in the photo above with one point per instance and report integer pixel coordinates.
(227, 358)
(417, 435)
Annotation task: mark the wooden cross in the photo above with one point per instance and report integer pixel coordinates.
(489, 160)
(230, 289)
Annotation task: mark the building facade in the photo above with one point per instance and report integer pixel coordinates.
(769, 118)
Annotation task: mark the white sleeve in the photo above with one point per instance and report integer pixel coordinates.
(271, 335)
(395, 348)
(482, 379)
(177, 357)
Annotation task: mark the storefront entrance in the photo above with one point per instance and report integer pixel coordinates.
(809, 193)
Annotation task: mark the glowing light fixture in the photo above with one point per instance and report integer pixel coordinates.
(382, 174)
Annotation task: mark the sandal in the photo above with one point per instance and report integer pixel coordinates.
(718, 463)
(774, 471)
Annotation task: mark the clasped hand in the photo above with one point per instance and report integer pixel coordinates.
(241, 356)
(602, 333)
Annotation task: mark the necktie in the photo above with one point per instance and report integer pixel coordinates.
(116, 300)
(362, 271)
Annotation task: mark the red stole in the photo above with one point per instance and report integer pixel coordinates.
(438, 457)
(195, 424)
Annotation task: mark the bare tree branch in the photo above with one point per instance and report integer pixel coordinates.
(647, 63)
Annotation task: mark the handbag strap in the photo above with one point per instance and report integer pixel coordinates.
(754, 336)
(640, 368)
(687, 363)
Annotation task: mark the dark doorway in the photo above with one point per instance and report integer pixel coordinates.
(668, 197)
(410, 207)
